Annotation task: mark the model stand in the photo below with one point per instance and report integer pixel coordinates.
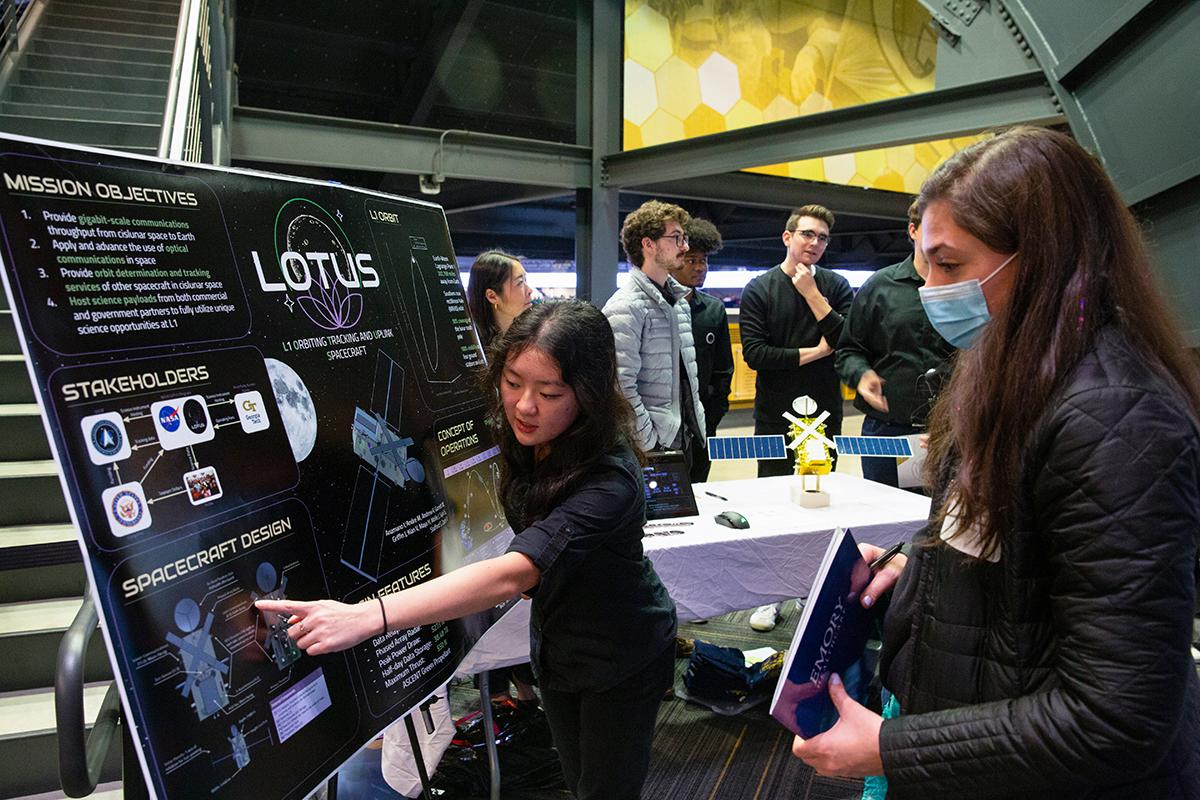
(811, 446)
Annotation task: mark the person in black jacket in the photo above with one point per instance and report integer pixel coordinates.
(1038, 638)
(602, 626)
(710, 332)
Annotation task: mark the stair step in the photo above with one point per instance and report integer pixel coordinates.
(9, 343)
(33, 712)
(30, 635)
(42, 582)
(29, 755)
(118, 135)
(14, 380)
(122, 6)
(104, 791)
(9, 108)
(99, 66)
(31, 494)
(96, 20)
(53, 79)
(81, 49)
(38, 616)
(82, 98)
(28, 536)
(65, 33)
(22, 435)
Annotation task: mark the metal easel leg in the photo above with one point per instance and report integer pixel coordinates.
(485, 702)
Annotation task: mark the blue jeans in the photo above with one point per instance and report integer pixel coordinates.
(883, 470)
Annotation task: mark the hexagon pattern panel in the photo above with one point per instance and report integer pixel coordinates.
(694, 67)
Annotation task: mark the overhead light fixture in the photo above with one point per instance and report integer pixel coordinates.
(431, 183)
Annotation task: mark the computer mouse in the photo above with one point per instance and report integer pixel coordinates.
(732, 519)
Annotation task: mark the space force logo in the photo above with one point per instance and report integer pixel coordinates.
(105, 437)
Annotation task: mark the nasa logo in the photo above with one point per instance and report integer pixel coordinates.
(127, 508)
(168, 417)
(106, 438)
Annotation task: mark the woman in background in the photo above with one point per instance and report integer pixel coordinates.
(497, 293)
(602, 626)
(1038, 639)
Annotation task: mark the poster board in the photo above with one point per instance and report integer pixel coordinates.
(254, 386)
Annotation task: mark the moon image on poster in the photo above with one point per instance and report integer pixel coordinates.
(295, 406)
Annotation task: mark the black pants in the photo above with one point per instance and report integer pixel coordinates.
(787, 466)
(883, 470)
(604, 738)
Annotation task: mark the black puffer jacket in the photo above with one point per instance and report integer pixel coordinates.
(1063, 670)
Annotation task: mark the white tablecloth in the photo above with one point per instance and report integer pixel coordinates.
(711, 570)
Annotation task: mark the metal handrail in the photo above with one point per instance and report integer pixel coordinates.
(183, 73)
(81, 755)
(11, 19)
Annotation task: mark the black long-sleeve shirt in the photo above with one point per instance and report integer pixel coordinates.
(887, 331)
(600, 612)
(714, 356)
(775, 323)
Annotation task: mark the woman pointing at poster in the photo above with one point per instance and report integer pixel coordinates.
(602, 625)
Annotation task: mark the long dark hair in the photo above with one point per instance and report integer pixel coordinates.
(579, 339)
(491, 270)
(1083, 266)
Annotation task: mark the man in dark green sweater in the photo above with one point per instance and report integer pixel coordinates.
(886, 349)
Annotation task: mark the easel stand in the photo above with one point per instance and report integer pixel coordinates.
(426, 788)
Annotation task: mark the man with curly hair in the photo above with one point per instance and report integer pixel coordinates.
(710, 330)
(656, 357)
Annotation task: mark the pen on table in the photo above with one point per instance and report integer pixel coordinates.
(710, 494)
(887, 556)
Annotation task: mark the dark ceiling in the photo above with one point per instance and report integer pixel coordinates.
(507, 68)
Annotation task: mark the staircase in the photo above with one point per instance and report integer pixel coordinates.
(41, 583)
(95, 72)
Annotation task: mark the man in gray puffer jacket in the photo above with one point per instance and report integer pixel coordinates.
(656, 356)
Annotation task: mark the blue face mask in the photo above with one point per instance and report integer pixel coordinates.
(958, 311)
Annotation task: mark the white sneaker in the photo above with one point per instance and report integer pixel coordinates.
(764, 617)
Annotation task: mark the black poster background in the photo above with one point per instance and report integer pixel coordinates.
(255, 386)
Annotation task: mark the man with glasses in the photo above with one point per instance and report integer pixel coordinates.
(791, 320)
(886, 350)
(656, 356)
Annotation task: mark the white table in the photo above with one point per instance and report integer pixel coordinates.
(711, 570)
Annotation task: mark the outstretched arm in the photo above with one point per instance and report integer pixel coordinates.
(326, 626)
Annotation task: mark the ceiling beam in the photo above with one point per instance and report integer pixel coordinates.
(281, 137)
(771, 191)
(940, 114)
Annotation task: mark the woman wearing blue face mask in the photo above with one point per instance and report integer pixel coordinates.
(1037, 640)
